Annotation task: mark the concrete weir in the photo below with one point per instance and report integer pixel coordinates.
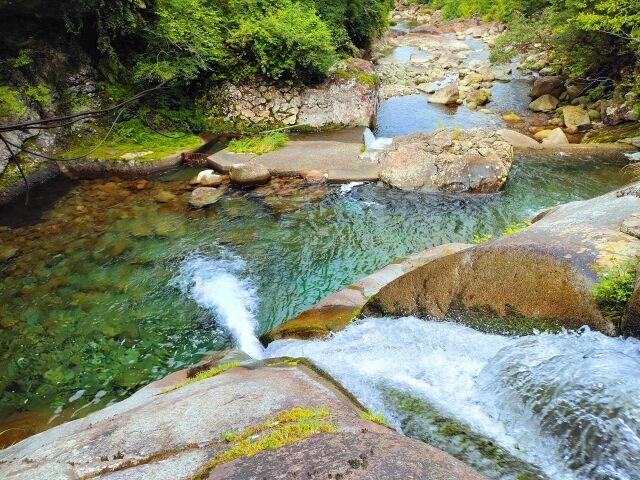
(335, 154)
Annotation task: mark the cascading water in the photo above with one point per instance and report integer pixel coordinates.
(565, 405)
(218, 285)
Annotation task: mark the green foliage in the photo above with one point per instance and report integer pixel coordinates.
(133, 136)
(510, 230)
(23, 59)
(288, 42)
(615, 289)
(10, 103)
(37, 95)
(373, 417)
(259, 144)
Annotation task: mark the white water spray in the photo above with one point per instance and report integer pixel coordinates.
(567, 403)
(218, 285)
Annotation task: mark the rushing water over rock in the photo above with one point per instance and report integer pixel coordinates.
(565, 403)
(217, 285)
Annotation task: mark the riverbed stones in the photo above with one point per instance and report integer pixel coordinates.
(249, 174)
(336, 311)
(164, 196)
(163, 432)
(556, 137)
(208, 178)
(472, 161)
(552, 85)
(540, 277)
(545, 103)
(205, 196)
(576, 117)
(448, 95)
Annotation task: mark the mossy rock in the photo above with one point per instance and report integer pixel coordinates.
(613, 134)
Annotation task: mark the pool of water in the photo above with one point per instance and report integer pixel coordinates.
(548, 406)
(107, 289)
(404, 53)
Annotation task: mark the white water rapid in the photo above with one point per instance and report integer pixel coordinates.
(566, 403)
(218, 285)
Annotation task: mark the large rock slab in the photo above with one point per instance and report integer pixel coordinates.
(471, 161)
(336, 311)
(174, 435)
(353, 456)
(537, 278)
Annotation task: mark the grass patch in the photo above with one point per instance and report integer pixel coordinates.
(374, 417)
(510, 230)
(202, 376)
(133, 136)
(259, 144)
(286, 428)
(613, 292)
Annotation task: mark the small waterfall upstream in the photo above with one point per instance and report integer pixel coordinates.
(218, 285)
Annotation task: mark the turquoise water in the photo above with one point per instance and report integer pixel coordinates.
(92, 306)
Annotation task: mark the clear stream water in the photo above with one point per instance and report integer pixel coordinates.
(110, 289)
(107, 289)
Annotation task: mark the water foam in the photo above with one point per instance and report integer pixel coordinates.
(567, 403)
(218, 285)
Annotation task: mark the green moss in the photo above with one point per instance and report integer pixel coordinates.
(10, 103)
(487, 320)
(258, 144)
(350, 73)
(373, 417)
(510, 230)
(325, 128)
(615, 289)
(612, 134)
(133, 137)
(419, 419)
(286, 428)
(202, 376)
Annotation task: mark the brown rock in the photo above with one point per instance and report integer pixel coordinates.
(448, 95)
(315, 177)
(163, 197)
(556, 137)
(544, 273)
(546, 86)
(518, 140)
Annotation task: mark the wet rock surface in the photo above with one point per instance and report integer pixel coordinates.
(336, 311)
(168, 433)
(543, 273)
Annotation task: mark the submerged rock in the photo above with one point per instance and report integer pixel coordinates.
(540, 277)
(248, 174)
(473, 161)
(163, 197)
(205, 196)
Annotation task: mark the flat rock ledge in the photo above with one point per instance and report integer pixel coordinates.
(339, 309)
(538, 278)
(101, 168)
(179, 434)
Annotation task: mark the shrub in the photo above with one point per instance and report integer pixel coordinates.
(615, 289)
(290, 42)
(10, 103)
(259, 144)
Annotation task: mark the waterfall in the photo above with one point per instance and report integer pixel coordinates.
(566, 403)
(218, 285)
(373, 143)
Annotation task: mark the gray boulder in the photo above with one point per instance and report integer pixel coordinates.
(547, 86)
(448, 95)
(248, 174)
(576, 117)
(545, 103)
(472, 161)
